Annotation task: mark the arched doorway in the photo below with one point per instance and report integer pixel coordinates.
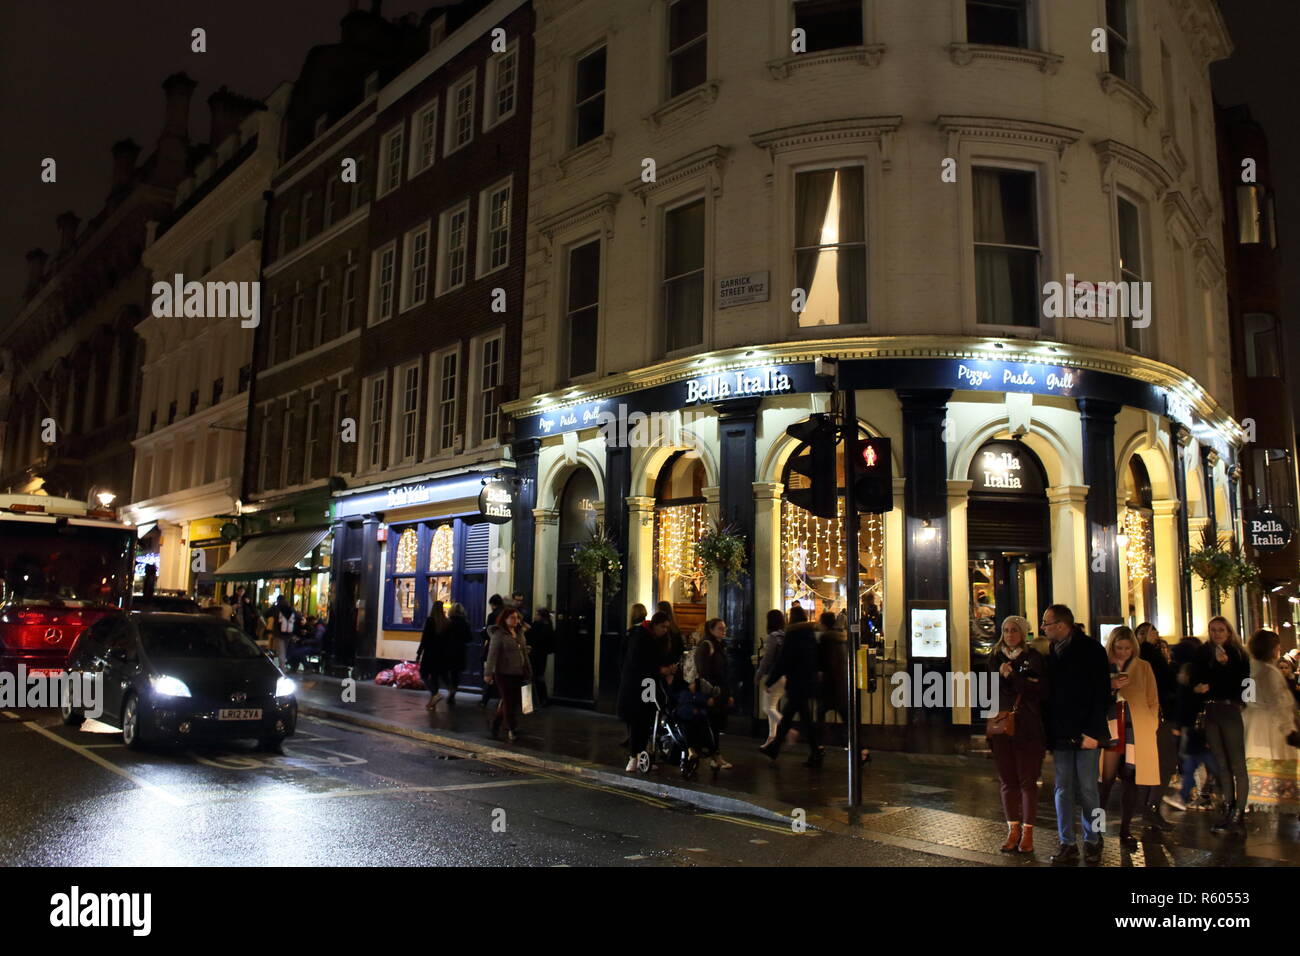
(680, 519)
(575, 608)
(1008, 540)
(1137, 540)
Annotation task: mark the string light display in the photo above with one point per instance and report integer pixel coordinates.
(407, 545)
(442, 550)
(1138, 552)
(678, 528)
(812, 552)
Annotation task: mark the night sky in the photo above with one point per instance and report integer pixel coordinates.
(78, 75)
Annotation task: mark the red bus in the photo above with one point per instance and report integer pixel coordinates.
(63, 566)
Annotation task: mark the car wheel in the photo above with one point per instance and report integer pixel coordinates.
(70, 716)
(131, 731)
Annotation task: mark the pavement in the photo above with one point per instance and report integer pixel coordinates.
(945, 805)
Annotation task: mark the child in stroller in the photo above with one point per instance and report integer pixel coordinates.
(682, 733)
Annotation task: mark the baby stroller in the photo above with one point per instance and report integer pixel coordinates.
(670, 740)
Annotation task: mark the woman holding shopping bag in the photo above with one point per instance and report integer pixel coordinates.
(508, 668)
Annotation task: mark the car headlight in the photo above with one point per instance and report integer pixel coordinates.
(284, 687)
(169, 687)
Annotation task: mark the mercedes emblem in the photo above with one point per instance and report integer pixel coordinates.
(53, 635)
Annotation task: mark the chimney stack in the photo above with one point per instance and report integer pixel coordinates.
(67, 223)
(227, 111)
(179, 88)
(125, 154)
(36, 260)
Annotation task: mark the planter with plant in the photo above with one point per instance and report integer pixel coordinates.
(1221, 565)
(722, 552)
(595, 559)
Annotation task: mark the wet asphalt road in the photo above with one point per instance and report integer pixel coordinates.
(345, 796)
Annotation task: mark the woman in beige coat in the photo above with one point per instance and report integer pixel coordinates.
(1134, 718)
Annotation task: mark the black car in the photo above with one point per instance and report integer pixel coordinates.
(177, 677)
(164, 603)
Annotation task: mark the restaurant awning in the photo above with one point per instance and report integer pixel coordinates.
(271, 554)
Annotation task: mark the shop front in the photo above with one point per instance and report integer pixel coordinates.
(1017, 483)
(403, 548)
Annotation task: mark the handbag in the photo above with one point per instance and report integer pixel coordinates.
(1003, 722)
(526, 696)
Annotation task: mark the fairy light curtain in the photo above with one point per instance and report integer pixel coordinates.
(1138, 541)
(404, 562)
(442, 562)
(813, 558)
(677, 529)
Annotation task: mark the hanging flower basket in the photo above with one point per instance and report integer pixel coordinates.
(595, 559)
(1221, 568)
(722, 552)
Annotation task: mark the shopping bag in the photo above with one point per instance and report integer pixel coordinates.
(526, 692)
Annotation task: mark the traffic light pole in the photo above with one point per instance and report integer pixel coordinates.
(850, 436)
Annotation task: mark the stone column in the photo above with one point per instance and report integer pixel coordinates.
(1210, 458)
(959, 584)
(640, 552)
(1169, 591)
(1097, 420)
(1070, 557)
(1180, 437)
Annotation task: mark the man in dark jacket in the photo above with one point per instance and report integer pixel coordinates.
(799, 663)
(645, 655)
(1078, 678)
(541, 642)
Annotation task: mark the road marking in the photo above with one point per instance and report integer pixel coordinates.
(111, 767)
(636, 856)
(377, 792)
(10, 714)
(759, 842)
(696, 849)
(756, 824)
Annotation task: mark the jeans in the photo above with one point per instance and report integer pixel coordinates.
(1076, 786)
(280, 646)
(1191, 757)
(772, 704)
(1226, 735)
(1018, 765)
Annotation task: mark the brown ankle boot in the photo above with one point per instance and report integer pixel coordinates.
(1013, 838)
(1027, 839)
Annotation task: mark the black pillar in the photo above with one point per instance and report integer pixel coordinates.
(926, 576)
(736, 432)
(1208, 457)
(1234, 477)
(618, 485)
(525, 532)
(1097, 418)
(1178, 437)
(368, 598)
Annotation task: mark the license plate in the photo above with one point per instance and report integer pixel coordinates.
(245, 713)
(44, 672)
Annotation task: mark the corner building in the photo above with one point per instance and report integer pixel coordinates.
(708, 207)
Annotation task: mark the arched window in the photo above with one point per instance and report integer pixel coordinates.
(404, 564)
(679, 522)
(1137, 540)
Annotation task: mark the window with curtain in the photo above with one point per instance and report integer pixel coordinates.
(405, 564)
(831, 245)
(1118, 54)
(583, 307)
(998, 22)
(1007, 251)
(683, 278)
(442, 563)
(688, 43)
(1130, 261)
(828, 24)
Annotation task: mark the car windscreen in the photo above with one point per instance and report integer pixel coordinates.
(197, 638)
(47, 563)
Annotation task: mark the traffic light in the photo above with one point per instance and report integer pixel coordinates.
(821, 497)
(873, 475)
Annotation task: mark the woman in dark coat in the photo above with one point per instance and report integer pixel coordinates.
(541, 643)
(645, 656)
(429, 653)
(1220, 670)
(711, 666)
(1022, 685)
(452, 643)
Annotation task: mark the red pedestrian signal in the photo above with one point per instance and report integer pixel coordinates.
(873, 476)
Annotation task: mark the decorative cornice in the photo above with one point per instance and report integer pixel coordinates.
(1113, 85)
(1207, 257)
(1202, 202)
(963, 54)
(858, 129)
(1173, 153)
(709, 160)
(1204, 29)
(1128, 365)
(868, 56)
(1113, 153)
(701, 96)
(600, 208)
(1001, 129)
(587, 155)
(1177, 207)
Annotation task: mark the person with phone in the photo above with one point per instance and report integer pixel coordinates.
(1133, 718)
(1220, 672)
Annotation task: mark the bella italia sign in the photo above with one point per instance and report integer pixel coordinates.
(1267, 532)
(742, 384)
(496, 501)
